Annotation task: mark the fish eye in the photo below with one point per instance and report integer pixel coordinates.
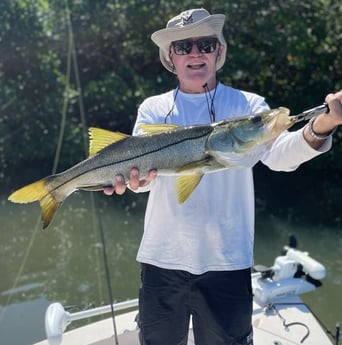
(256, 119)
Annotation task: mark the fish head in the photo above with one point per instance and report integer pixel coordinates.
(240, 142)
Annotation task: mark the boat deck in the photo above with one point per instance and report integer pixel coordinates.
(286, 322)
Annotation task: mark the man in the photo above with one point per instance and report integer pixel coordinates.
(196, 257)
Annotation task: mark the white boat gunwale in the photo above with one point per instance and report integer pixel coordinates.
(279, 315)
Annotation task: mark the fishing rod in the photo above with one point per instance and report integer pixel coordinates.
(94, 197)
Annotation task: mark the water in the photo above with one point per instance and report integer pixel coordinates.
(65, 263)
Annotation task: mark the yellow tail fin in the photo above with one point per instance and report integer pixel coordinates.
(37, 191)
(32, 192)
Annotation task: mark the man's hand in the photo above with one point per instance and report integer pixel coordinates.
(323, 125)
(134, 182)
(334, 101)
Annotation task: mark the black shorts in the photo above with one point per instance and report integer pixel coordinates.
(220, 304)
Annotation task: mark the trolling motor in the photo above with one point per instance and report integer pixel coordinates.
(293, 273)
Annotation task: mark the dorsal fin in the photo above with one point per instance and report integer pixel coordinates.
(101, 138)
(157, 128)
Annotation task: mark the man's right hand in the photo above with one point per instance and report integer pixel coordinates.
(134, 182)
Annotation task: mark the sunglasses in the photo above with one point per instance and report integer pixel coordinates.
(205, 46)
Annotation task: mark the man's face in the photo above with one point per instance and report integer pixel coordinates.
(195, 60)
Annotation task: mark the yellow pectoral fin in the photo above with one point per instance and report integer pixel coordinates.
(194, 166)
(101, 138)
(157, 128)
(185, 185)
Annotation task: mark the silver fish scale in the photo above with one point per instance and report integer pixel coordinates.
(166, 152)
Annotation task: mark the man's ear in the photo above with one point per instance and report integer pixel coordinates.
(220, 50)
(171, 59)
(171, 56)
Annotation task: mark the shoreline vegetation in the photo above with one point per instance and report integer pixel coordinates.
(67, 66)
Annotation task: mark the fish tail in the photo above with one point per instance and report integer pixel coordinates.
(38, 191)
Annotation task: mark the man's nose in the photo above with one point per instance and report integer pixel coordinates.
(195, 50)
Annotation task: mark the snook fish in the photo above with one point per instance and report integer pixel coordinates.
(188, 152)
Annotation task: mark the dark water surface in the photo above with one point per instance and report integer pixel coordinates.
(65, 263)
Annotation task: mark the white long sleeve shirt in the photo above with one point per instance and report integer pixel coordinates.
(214, 229)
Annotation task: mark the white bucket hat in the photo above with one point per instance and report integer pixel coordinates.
(190, 23)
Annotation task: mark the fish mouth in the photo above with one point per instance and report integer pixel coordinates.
(279, 122)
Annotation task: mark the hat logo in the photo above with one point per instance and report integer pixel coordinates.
(186, 19)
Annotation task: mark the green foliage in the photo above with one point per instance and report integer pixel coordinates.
(287, 51)
(281, 51)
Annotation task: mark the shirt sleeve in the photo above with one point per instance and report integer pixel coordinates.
(290, 150)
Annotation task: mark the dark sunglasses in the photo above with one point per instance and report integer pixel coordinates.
(205, 46)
